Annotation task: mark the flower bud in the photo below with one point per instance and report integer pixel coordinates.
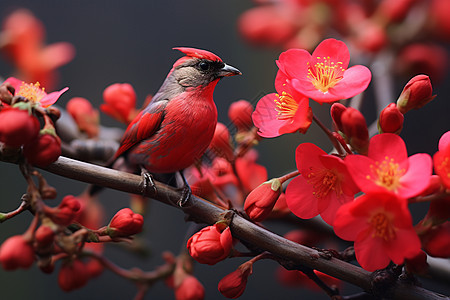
(190, 289)
(125, 223)
(336, 111)
(436, 242)
(240, 114)
(43, 150)
(221, 142)
(210, 245)
(120, 102)
(44, 236)
(416, 93)
(17, 127)
(72, 275)
(355, 129)
(16, 252)
(390, 120)
(85, 115)
(260, 202)
(66, 211)
(266, 25)
(233, 285)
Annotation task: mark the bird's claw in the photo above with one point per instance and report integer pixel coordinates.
(147, 180)
(186, 191)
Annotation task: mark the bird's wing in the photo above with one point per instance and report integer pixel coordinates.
(144, 125)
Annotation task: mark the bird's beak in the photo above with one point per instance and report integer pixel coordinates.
(228, 70)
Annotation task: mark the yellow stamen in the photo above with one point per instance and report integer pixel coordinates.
(383, 228)
(387, 174)
(324, 182)
(325, 74)
(286, 106)
(31, 91)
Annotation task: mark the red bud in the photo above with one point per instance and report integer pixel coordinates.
(260, 202)
(390, 120)
(43, 150)
(72, 275)
(355, 129)
(125, 223)
(15, 253)
(436, 242)
(233, 285)
(66, 211)
(336, 111)
(210, 245)
(85, 115)
(190, 289)
(221, 142)
(44, 236)
(240, 114)
(120, 102)
(416, 93)
(17, 127)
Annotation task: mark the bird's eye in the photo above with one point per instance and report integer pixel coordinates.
(204, 65)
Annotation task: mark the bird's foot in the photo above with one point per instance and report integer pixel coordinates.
(186, 192)
(147, 180)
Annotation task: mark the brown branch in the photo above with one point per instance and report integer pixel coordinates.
(204, 212)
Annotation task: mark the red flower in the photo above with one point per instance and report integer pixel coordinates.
(73, 275)
(283, 112)
(66, 211)
(381, 226)
(120, 102)
(441, 160)
(416, 93)
(17, 127)
(323, 186)
(15, 253)
(323, 76)
(85, 115)
(125, 223)
(233, 285)
(387, 167)
(34, 92)
(23, 41)
(391, 120)
(190, 289)
(260, 202)
(240, 114)
(43, 150)
(210, 245)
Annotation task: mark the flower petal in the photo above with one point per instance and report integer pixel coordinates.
(300, 199)
(417, 178)
(444, 141)
(335, 49)
(294, 63)
(16, 83)
(362, 174)
(378, 150)
(371, 253)
(51, 98)
(405, 245)
(356, 79)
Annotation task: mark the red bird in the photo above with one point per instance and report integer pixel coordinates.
(177, 126)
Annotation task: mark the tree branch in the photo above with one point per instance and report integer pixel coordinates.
(202, 211)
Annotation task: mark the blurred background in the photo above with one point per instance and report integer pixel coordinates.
(118, 41)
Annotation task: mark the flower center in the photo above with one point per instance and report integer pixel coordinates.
(444, 167)
(31, 91)
(387, 173)
(286, 106)
(325, 73)
(323, 182)
(382, 227)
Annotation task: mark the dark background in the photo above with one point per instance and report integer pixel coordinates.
(118, 41)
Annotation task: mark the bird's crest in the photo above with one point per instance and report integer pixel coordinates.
(197, 53)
